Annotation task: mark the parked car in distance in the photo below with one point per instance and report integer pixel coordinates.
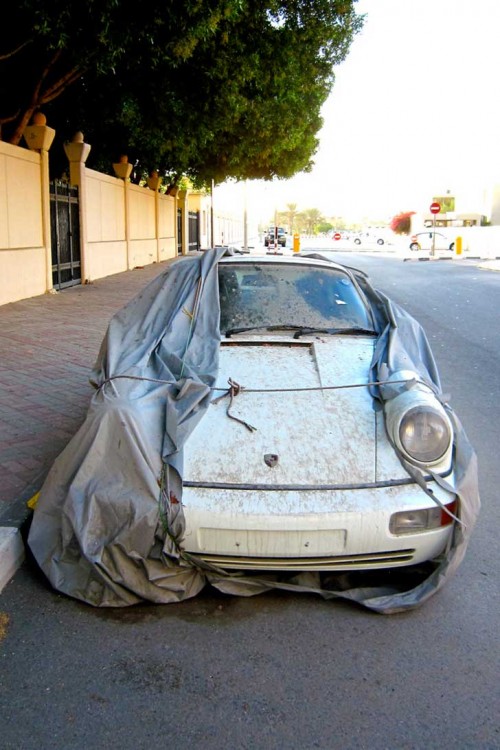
(275, 235)
(424, 241)
(369, 238)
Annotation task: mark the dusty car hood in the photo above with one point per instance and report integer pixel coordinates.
(318, 436)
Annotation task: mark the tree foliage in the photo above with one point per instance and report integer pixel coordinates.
(401, 223)
(310, 219)
(210, 89)
(288, 217)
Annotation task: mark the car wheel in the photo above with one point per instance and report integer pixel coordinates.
(357, 241)
(414, 246)
(452, 246)
(380, 241)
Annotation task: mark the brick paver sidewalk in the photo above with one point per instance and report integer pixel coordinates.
(48, 345)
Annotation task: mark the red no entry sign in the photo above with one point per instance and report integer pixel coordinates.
(337, 236)
(435, 207)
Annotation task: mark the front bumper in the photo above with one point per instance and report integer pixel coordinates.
(290, 529)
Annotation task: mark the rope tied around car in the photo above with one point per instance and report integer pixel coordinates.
(240, 388)
(233, 391)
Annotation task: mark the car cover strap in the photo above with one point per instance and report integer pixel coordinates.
(233, 391)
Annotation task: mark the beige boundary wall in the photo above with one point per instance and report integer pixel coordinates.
(23, 255)
(125, 226)
(122, 225)
(228, 229)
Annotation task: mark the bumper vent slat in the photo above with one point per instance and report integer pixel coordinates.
(340, 562)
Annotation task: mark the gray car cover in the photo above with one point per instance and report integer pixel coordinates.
(108, 525)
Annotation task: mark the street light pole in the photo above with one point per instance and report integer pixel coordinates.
(212, 241)
(245, 218)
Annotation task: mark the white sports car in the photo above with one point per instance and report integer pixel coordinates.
(260, 422)
(306, 475)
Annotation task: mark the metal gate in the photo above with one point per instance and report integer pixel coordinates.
(194, 230)
(179, 231)
(65, 235)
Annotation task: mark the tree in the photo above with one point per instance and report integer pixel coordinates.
(338, 222)
(325, 226)
(401, 223)
(208, 88)
(310, 219)
(287, 217)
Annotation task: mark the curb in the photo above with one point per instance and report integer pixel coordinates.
(14, 527)
(12, 553)
(452, 257)
(424, 259)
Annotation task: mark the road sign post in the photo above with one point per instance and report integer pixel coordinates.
(435, 208)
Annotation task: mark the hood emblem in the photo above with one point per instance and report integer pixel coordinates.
(271, 459)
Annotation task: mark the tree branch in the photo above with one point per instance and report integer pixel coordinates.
(58, 87)
(15, 51)
(34, 103)
(9, 118)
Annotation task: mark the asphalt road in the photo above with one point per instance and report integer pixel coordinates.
(278, 670)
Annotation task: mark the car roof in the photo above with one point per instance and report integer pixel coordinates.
(290, 260)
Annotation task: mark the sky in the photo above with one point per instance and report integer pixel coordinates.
(414, 113)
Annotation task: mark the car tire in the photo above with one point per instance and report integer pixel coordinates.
(452, 246)
(414, 246)
(357, 241)
(380, 241)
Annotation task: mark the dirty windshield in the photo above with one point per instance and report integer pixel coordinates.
(273, 294)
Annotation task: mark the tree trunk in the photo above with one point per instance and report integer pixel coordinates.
(15, 139)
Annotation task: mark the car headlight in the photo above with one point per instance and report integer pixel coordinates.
(425, 434)
(419, 426)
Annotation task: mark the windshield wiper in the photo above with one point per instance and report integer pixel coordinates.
(302, 330)
(279, 327)
(354, 330)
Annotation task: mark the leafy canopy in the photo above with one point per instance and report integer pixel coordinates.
(401, 223)
(210, 89)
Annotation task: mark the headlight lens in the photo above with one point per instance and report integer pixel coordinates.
(424, 434)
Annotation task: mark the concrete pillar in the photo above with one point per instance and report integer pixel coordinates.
(154, 183)
(182, 198)
(39, 137)
(123, 170)
(77, 152)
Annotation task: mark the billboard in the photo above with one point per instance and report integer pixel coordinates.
(447, 203)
